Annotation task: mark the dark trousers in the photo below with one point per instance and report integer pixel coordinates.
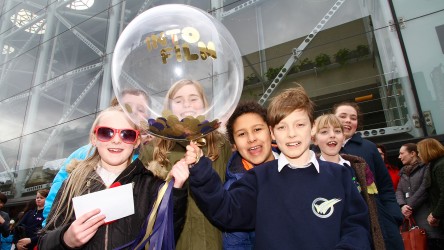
(435, 244)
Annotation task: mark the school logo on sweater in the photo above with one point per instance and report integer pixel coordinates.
(323, 208)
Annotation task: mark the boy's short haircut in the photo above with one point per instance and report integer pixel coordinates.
(3, 198)
(324, 121)
(245, 107)
(136, 92)
(288, 101)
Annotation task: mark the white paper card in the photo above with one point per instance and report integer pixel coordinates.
(114, 203)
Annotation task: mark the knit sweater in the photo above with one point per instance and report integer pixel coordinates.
(294, 208)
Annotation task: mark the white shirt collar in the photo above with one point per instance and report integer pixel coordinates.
(341, 160)
(107, 177)
(283, 161)
(276, 155)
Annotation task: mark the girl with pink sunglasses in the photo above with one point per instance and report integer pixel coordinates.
(114, 138)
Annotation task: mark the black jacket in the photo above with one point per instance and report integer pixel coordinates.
(125, 229)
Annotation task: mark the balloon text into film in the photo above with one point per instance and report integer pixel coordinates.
(182, 50)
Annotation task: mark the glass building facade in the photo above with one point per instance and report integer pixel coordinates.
(55, 64)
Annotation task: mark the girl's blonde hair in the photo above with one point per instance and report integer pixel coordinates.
(324, 121)
(79, 179)
(163, 146)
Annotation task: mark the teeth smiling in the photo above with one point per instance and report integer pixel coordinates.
(332, 143)
(115, 149)
(185, 114)
(293, 143)
(254, 148)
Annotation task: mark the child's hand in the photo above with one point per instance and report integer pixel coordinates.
(193, 153)
(23, 243)
(180, 172)
(83, 229)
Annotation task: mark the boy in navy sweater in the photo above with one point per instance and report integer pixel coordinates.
(294, 202)
(247, 130)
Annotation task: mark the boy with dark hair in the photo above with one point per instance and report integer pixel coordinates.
(4, 217)
(248, 131)
(294, 202)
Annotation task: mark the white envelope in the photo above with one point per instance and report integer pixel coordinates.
(114, 203)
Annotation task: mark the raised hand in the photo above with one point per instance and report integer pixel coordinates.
(193, 153)
(83, 229)
(180, 172)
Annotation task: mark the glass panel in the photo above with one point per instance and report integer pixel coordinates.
(41, 151)
(77, 12)
(8, 162)
(416, 9)
(62, 101)
(355, 57)
(17, 72)
(13, 112)
(424, 42)
(268, 22)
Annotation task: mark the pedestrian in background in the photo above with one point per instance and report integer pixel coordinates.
(431, 152)
(393, 170)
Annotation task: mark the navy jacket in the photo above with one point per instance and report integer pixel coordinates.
(390, 216)
(291, 209)
(236, 240)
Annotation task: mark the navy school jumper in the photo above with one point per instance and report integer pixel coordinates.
(291, 209)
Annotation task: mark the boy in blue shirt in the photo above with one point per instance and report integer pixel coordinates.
(293, 202)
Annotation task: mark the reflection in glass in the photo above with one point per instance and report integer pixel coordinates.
(23, 17)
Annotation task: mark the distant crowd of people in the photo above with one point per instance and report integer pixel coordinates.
(279, 178)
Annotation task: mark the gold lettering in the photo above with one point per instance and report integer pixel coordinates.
(178, 53)
(188, 55)
(151, 43)
(164, 53)
(207, 51)
(190, 35)
(148, 44)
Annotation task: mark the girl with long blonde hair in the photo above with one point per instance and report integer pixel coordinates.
(114, 138)
(187, 98)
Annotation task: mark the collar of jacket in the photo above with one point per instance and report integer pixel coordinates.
(357, 138)
(410, 169)
(235, 165)
(136, 167)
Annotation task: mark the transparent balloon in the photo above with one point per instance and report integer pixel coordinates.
(177, 72)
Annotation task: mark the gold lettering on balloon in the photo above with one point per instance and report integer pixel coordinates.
(207, 50)
(164, 53)
(181, 50)
(190, 35)
(151, 42)
(188, 55)
(178, 53)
